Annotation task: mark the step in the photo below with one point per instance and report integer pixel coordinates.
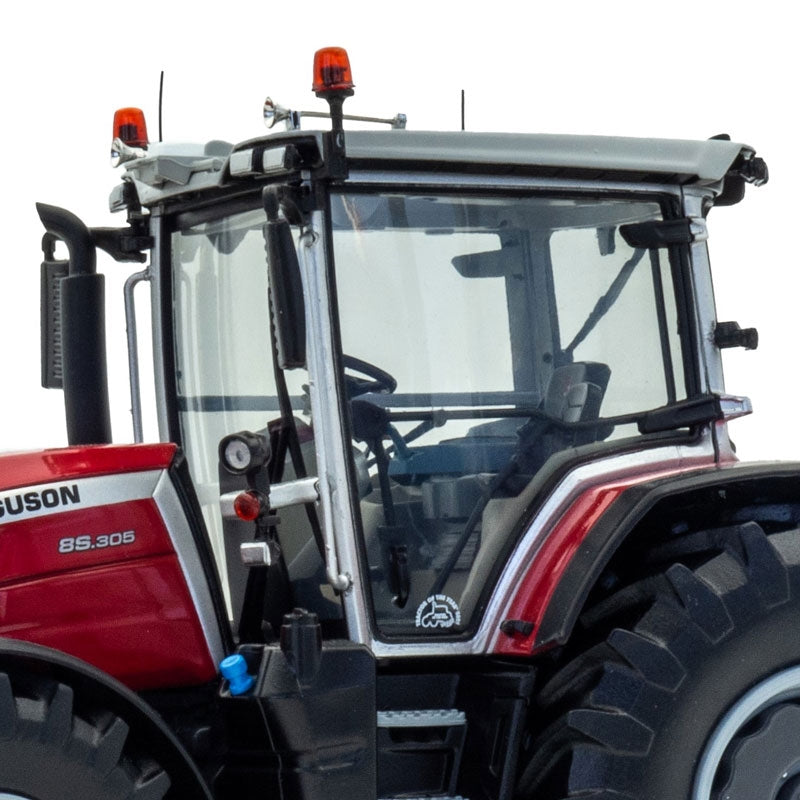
(424, 718)
(427, 797)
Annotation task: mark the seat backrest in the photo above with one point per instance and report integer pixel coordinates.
(576, 391)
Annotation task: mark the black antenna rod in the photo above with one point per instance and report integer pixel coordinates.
(463, 105)
(160, 104)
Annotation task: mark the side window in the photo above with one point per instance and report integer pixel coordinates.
(225, 383)
(619, 308)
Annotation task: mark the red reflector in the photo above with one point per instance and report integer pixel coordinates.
(130, 127)
(247, 506)
(332, 71)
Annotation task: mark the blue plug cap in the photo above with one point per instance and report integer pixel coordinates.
(234, 670)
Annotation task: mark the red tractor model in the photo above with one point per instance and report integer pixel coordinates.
(444, 505)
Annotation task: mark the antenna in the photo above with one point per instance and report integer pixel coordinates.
(463, 106)
(160, 104)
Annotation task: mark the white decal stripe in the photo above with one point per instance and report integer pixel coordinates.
(29, 502)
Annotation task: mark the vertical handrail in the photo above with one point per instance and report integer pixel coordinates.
(133, 351)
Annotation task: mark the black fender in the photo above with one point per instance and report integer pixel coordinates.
(108, 694)
(719, 497)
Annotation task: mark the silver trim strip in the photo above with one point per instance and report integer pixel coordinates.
(133, 350)
(322, 389)
(647, 464)
(103, 490)
(168, 503)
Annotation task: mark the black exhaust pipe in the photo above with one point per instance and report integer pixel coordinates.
(82, 331)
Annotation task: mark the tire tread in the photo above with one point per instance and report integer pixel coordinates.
(605, 703)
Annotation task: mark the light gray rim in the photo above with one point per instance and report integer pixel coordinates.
(781, 686)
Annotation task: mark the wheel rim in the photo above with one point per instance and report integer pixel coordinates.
(755, 745)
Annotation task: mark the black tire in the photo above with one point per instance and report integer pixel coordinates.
(48, 751)
(696, 697)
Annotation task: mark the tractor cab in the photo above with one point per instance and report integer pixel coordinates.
(384, 352)
(446, 412)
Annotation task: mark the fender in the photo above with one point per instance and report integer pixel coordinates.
(546, 607)
(109, 695)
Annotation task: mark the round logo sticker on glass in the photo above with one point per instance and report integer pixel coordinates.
(438, 611)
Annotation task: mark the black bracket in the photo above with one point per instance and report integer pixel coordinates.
(516, 627)
(729, 334)
(123, 244)
(658, 233)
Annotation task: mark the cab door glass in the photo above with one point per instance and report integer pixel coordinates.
(481, 337)
(225, 383)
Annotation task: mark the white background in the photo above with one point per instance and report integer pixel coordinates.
(678, 69)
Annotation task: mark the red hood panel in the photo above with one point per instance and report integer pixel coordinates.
(25, 469)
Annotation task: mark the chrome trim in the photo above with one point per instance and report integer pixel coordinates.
(648, 464)
(133, 350)
(331, 463)
(166, 499)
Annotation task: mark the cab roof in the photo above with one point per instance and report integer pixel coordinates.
(169, 171)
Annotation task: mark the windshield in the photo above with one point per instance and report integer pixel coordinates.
(484, 335)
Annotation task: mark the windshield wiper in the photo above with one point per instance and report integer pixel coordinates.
(604, 304)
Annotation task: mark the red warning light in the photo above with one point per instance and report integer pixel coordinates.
(332, 72)
(248, 506)
(130, 127)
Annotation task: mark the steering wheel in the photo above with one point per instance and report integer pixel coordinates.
(379, 381)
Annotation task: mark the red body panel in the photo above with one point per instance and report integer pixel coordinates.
(98, 580)
(25, 469)
(547, 568)
(31, 547)
(556, 552)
